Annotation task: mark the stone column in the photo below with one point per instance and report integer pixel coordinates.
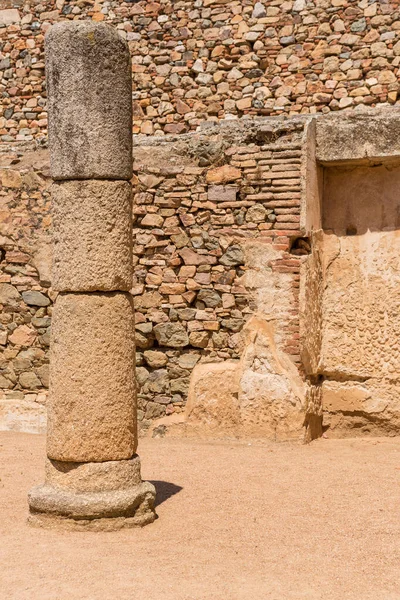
(93, 476)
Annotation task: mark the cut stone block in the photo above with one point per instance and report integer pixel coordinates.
(92, 228)
(92, 403)
(107, 495)
(88, 69)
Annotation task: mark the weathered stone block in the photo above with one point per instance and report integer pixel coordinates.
(92, 228)
(222, 193)
(171, 334)
(92, 415)
(90, 109)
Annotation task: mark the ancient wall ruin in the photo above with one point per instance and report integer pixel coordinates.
(232, 218)
(215, 214)
(265, 271)
(351, 281)
(199, 60)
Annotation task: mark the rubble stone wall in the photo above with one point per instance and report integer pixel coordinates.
(25, 294)
(202, 60)
(200, 202)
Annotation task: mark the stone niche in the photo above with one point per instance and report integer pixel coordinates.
(351, 281)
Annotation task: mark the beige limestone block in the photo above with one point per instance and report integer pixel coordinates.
(107, 495)
(92, 229)
(361, 322)
(92, 411)
(212, 402)
(357, 408)
(88, 69)
(9, 15)
(52, 507)
(271, 391)
(94, 476)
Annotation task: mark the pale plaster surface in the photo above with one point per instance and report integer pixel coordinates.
(92, 236)
(88, 70)
(22, 415)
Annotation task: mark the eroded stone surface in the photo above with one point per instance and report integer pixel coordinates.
(213, 397)
(90, 109)
(89, 508)
(263, 394)
(359, 136)
(92, 228)
(95, 496)
(350, 322)
(93, 476)
(92, 414)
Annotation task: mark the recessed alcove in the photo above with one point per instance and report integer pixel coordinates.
(352, 307)
(357, 199)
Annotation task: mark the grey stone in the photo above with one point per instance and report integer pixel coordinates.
(88, 69)
(188, 361)
(144, 328)
(154, 410)
(186, 314)
(144, 341)
(259, 11)
(287, 40)
(142, 375)
(21, 364)
(234, 255)
(8, 294)
(171, 334)
(180, 385)
(5, 383)
(157, 382)
(33, 298)
(29, 381)
(43, 374)
(232, 324)
(359, 25)
(210, 298)
(41, 322)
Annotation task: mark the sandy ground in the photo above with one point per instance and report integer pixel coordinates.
(236, 521)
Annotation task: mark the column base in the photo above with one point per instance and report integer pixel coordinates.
(92, 496)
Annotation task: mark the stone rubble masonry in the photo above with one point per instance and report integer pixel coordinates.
(92, 233)
(191, 301)
(211, 264)
(206, 60)
(92, 412)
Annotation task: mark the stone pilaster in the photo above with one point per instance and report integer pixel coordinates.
(92, 472)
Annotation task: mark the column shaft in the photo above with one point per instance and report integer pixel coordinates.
(92, 471)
